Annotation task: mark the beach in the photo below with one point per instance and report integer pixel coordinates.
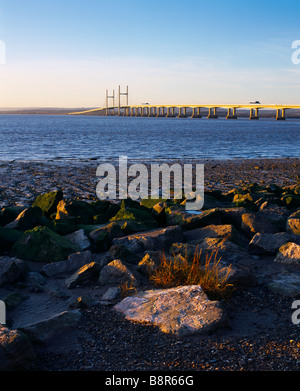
(261, 335)
(23, 181)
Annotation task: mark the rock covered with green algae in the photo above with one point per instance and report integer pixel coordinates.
(43, 245)
(48, 202)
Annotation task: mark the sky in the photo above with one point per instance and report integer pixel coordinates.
(67, 53)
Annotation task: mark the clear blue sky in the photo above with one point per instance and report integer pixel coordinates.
(67, 53)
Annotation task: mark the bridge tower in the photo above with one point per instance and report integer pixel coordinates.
(106, 101)
(122, 93)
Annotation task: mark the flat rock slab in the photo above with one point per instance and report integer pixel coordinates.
(183, 310)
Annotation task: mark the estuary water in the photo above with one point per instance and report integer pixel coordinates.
(67, 137)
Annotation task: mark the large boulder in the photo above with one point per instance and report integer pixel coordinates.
(104, 210)
(183, 310)
(8, 237)
(11, 270)
(253, 223)
(158, 239)
(7, 215)
(87, 273)
(293, 226)
(28, 219)
(81, 212)
(293, 223)
(268, 244)
(42, 330)
(214, 231)
(16, 352)
(288, 253)
(79, 239)
(116, 273)
(43, 245)
(132, 211)
(176, 215)
(276, 214)
(75, 261)
(48, 202)
(102, 237)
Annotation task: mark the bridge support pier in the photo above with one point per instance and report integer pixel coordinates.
(160, 112)
(280, 116)
(213, 115)
(172, 114)
(152, 112)
(182, 115)
(231, 115)
(254, 116)
(198, 114)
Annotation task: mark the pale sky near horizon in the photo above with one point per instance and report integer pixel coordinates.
(66, 53)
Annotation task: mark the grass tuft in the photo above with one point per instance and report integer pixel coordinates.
(178, 270)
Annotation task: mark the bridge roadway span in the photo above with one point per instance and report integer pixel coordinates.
(147, 110)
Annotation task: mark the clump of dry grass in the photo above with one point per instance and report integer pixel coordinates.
(127, 289)
(209, 275)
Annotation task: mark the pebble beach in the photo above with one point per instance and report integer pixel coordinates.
(262, 337)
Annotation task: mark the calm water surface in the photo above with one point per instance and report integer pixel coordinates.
(47, 137)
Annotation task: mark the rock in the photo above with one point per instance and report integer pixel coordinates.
(79, 239)
(112, 293)
(116, 273)
(7, 215)
(232, 216)
(183, 310)
(276, 214)
(150, 262)
(159, 212)
(253, 223)
(11, 270)
(291, 201)
(293, 226)
(103, 237)
(214, 231)
(230, 255)
(119, 251)
(75, 261)
(133, 211)
(81, 212)
(63, 226)
(159, 239)
(244, 200)
(48, 202)
(83, 302)
(43, 330)
(86, 274)
(43, 245)
(268, 244)
(288, 253)
(286, 284)
(16, 352)
(61, 211)
(8, 237)
(35, 282)
(187, 221)
(227, 250)
(28, 219)
(13, 299)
